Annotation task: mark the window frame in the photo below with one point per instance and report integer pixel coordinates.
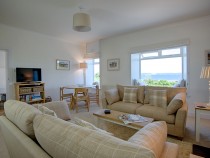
(182, 54)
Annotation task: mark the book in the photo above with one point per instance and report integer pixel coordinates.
(131, 118)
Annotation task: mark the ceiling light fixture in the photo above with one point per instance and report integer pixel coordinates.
(81, 22)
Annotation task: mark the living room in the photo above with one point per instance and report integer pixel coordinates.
(27, 48)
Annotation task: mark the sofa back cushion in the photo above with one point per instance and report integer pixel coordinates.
(152, 136)
(60, 138)
(171, 92)
(22, 115)
(140, 92)
(112, 96)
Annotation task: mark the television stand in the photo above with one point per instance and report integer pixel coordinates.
(30, 92)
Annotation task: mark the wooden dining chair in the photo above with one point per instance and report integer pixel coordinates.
(94, 94)
(80, 95)
(66, 95)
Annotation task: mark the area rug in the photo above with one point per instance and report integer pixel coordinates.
(185, 148)
(201, 151)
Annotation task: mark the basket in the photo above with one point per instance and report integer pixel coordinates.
(38, 89)
(25, 90)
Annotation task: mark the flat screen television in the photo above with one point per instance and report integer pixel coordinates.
(28, 74)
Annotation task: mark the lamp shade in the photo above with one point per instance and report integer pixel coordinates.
(83, 65)
(81, 22)
(205, 72)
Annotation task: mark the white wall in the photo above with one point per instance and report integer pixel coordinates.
(196, 30)
(29, 49)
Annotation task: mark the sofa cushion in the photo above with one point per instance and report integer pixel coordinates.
(158, 98)
(112, 96)
(88, 125)
(158, 113)
(130, 95)
(124, 107)
(47, 111)
(176, 103)
(152, 136)
(61, 138)
(60, 108)
(22, 115)
(140, 93)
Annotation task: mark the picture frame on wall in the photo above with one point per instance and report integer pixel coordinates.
(62, 64)
(113, 64)
(208, 57)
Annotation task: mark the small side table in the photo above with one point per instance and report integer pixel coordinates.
(200, 108)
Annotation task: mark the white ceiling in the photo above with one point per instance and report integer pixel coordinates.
(108, 17)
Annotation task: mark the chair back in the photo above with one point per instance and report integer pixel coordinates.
(81, 91)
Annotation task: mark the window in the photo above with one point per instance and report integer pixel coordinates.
(93, 71)
(159, 68)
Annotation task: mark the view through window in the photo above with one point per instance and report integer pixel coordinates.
(159, 68)
(93, 71)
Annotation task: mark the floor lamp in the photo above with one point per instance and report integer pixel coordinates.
(205, 73)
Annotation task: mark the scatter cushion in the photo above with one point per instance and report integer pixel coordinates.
(22, 115)
(130, 95)
(176, 103)
(61, 138)
(47, 111)
(61, 109)
(140, 93)
(158, 98)
(112, 96)
(152, 136)
(88, 125)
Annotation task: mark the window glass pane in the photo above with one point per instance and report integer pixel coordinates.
(171, 51)
(96, 73)
(93, 71)
(135, 67)
(162, 69)
(146, 55)
(96, 60)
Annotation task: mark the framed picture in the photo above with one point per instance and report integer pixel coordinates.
(113, 64)
(208, 57)
(62, 64)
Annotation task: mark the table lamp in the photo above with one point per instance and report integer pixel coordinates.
(205, 73)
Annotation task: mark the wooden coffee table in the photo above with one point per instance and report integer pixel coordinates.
(114, 118)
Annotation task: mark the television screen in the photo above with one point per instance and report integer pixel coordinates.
(28, 74)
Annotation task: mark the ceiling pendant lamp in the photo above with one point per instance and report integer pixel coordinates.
(81, 22)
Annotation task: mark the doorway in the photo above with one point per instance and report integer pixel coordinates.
(3, 76)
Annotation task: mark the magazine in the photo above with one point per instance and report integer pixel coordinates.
(131, 118)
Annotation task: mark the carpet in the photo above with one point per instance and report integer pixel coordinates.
(185, 148)
(201, 151)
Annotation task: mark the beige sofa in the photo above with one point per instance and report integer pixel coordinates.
(29, 133)
(161, 103)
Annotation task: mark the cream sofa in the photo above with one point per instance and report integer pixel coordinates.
(28, 133)
(169, 105)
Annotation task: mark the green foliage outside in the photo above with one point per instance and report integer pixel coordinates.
(161, 83)
(96, 77)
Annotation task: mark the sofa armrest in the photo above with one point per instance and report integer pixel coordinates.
(181, 117)
(104, 103)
